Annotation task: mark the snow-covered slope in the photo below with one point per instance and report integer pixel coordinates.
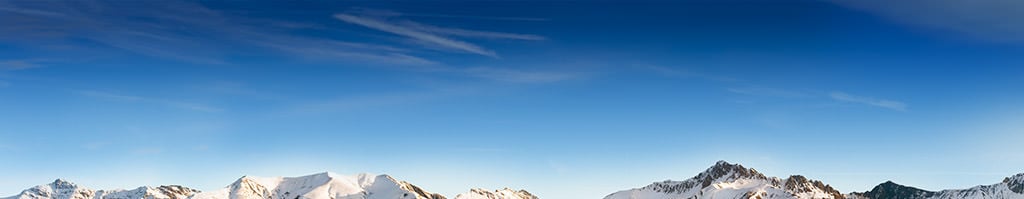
(320, 186)
(317, 186)
(732, 181)
(1011, 188)
(61, 189)
(505, 193)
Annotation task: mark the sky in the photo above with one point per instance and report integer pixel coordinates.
(566, 99)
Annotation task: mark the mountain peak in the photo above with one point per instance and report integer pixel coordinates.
(800, 184)
(889, 189)
(1015, 183)
(61, 181)
(505, 193)
(726, 169)
(726, 165)
(728, 180)
(63, 184)
(325, 174)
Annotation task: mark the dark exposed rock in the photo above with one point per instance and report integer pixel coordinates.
(174, 191)
(799, 183)
(891, 190)
(722, 170)
(1015, 183)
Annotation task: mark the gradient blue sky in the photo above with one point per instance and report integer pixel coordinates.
(567, 99)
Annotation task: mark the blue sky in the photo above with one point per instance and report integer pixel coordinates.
(568, 99)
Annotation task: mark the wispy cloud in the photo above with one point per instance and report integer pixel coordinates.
(13, 65)
(478, 17)
(772, 92)
(140, 99)
(419, 35)
(475, 33)
(996, 20)
(389, 13)
(518, 76)
(352, 103)
(184, 31)
(684, 73)
(328, 49)
(386, 21)
(24, 11)
(889, 104)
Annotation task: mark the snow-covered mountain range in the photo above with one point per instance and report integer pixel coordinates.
(61, 189)
(722, 181)
(496, 194)
(733, 181)
(1010, 188)
(316, 186)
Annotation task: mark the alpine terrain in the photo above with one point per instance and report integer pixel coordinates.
(496, 194)
(1010, 188)
(316, 186)
(732, 181)
(61, 189)
(722, 181)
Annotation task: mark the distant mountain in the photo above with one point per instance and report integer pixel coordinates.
(496, 194)
(316, 186)
(721, 181)
(61, 189)
(1011, 188)
(733, 181)
(725, 180)
(320, 186)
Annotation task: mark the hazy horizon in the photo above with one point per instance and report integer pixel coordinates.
(565, 99)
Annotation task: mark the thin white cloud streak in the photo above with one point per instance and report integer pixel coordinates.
(415, 34)
(477, 17)
(994, 20)
(159, 101)
(172, 34)
(355, 103)
(682, 73)
(517, 76)
(889, 104)
(346, 51)
(388, 13)
(487, 74)
(30, 12)
(13, 65)
(476, 33)
(773, 92)
(157, 48)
